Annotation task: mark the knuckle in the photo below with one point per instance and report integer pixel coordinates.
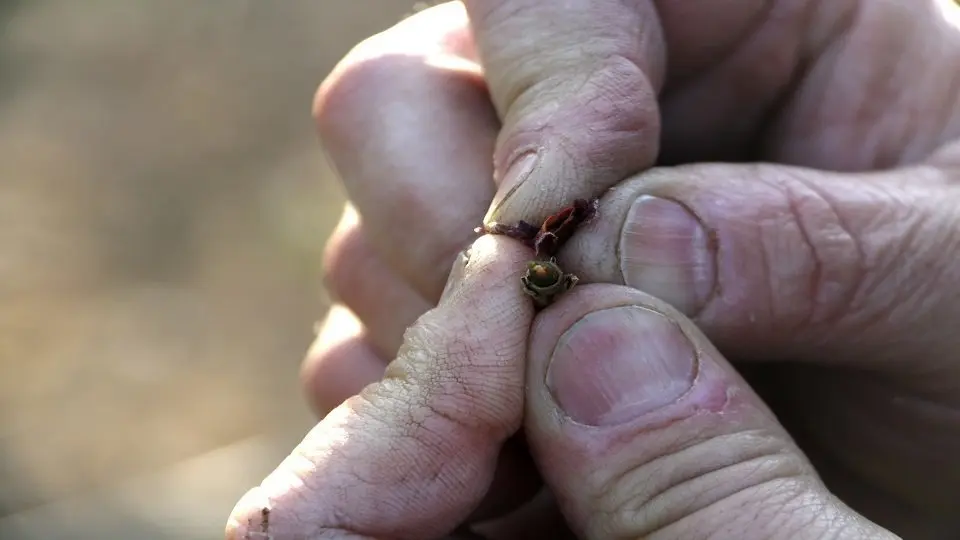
(829, 260)
(344, 258)
(343, 93)
(643, 500)
(601, 87)
(859, 277)
(313, 384)
(629, 131)
(376, 63)
(366, 68)
(612, 104)
(338, 344)
(906, 263)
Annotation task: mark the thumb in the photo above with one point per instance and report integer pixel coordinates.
(578, 102)
(642, 429)
(781, 262)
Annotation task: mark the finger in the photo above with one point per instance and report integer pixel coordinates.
(359, 278)
(578, 103)
(340, 362)
(642, 429)
(413, 455)
(790, 263)
(407, 123)
(785, 264)
(347, 355)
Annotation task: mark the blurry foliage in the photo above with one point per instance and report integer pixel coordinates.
(163, 206)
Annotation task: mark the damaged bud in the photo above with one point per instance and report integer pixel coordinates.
(559, 227)
(547, 239)
(545, 280)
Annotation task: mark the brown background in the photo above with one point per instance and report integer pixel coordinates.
(163, 205)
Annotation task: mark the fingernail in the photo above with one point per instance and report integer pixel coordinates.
(618, 364)
(457, 271)
(516, 174)
(666, 252)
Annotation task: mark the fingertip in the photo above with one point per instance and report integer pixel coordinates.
(250, 517)
(576, 121)
(340, 362)
(553, 150)
(496, 249)
(491, 261)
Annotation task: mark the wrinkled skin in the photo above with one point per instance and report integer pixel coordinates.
(824, 262)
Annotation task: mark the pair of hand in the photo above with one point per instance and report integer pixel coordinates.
(790, 203)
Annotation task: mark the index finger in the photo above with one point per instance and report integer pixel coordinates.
(412, 455)
(407, 122)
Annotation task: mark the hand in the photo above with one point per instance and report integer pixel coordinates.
(416, 166)
(639, 427)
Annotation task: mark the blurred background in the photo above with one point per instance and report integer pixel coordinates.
(163, 207)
